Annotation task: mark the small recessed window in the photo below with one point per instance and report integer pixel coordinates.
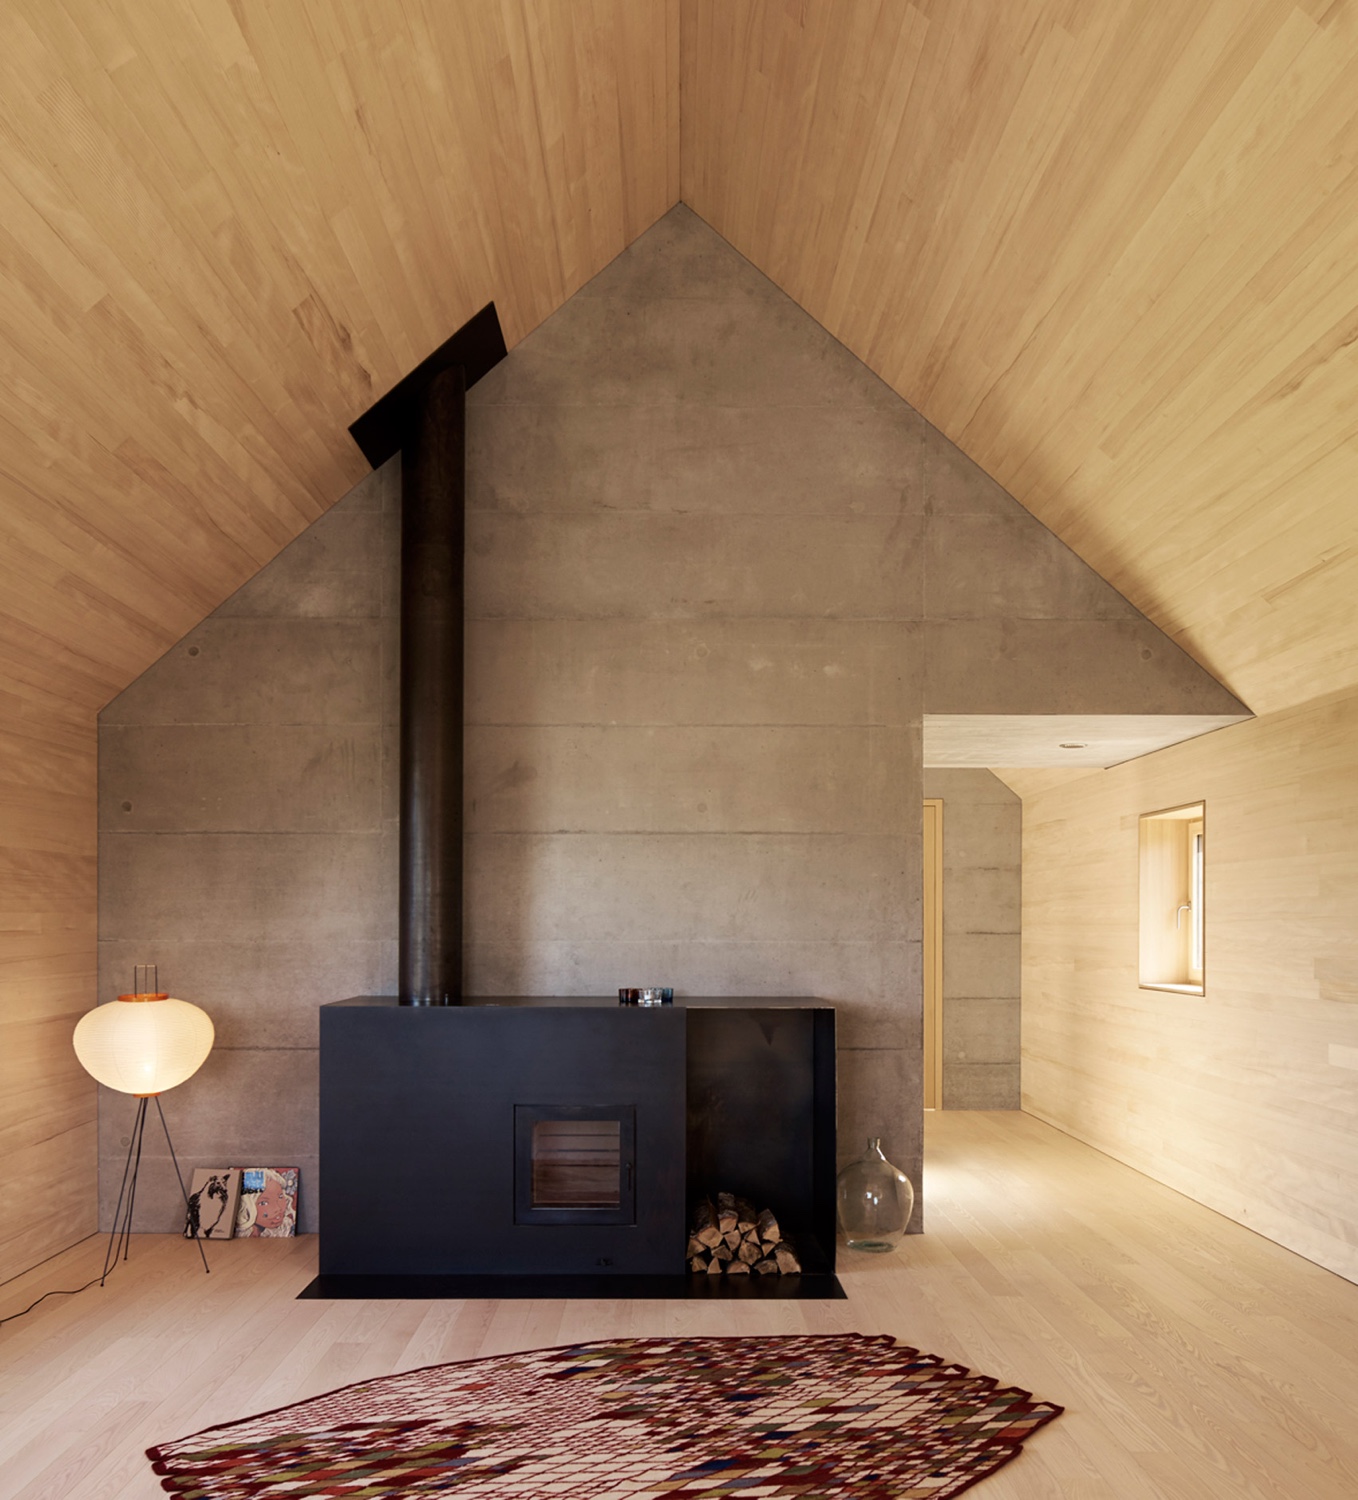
(1173, 887)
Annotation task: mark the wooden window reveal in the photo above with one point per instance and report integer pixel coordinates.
(1173, 852)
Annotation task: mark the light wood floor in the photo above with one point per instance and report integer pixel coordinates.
(1194, 1358)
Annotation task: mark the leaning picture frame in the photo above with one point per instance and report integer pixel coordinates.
(268, 1203)
(214, 1200)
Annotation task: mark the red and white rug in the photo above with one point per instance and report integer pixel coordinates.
(630, 1419)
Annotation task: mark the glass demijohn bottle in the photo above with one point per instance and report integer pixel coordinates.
(875, 1201)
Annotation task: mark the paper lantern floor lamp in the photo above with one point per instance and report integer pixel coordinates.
(142, 1044)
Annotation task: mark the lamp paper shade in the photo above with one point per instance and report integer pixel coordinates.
(143, 1044)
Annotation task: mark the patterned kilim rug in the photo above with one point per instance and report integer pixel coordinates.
(630, 1419)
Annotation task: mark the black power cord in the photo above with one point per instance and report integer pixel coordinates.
(55, 1292)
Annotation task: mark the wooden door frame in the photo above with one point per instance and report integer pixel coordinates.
(932, 953)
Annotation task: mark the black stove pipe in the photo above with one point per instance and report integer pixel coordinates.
(433, 513)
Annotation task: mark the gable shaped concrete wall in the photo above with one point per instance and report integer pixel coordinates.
(716, 569)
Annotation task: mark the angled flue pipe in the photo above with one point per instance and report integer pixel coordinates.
(425, 418)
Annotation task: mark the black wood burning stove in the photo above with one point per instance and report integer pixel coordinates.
(528, 1137)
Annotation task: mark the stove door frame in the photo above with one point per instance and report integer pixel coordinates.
(526, 1116)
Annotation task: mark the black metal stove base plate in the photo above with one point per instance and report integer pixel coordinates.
(816, 1287)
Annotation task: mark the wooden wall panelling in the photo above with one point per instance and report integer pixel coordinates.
(1106, 249)
(1234, 1097)
(47, 965)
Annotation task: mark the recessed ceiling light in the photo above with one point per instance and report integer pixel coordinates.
(1072, 745)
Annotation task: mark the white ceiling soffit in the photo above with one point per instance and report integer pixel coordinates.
(1058, 739)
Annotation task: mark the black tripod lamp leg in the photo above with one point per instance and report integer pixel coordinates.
(126, 1241)
(197, 1239)
(126, 1193)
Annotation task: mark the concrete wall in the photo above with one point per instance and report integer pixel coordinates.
(247, 817)
(982, 892)
(709, 554)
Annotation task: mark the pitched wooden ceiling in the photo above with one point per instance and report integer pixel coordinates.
(1107, 247)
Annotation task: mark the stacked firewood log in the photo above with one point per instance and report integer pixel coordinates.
(731, 1238)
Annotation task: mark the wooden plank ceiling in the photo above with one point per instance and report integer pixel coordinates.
(1110, 247)
(1107, 247)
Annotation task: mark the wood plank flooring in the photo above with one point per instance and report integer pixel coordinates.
(1196, 1360)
